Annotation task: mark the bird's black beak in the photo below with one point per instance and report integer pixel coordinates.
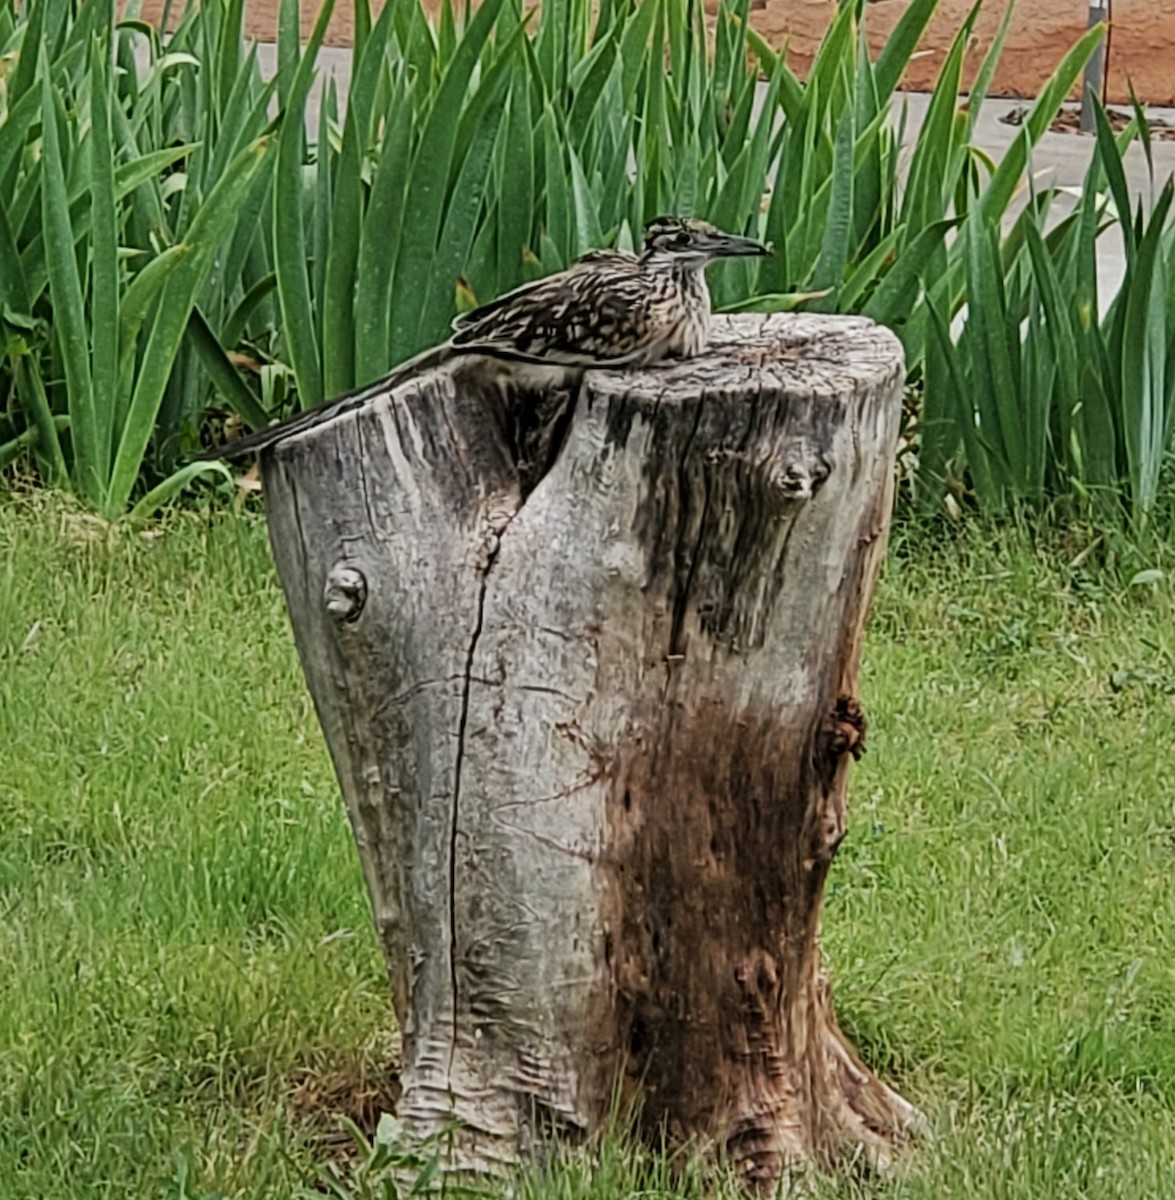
(729, 245)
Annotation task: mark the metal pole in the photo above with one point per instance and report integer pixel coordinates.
(1095, 69)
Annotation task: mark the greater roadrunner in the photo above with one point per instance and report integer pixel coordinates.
(608, 309)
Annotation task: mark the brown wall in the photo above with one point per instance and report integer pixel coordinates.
(1142, 40)
(1142, 45)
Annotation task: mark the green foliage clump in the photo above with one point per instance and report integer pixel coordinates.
(1041, 395)
(173, 221)
(125, 227)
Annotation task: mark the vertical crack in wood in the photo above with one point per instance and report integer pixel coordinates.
(682, 592)
(458, 763)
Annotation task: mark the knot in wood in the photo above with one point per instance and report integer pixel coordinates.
(757, 976)
(345, 593)
(845, 728)
(799, 480)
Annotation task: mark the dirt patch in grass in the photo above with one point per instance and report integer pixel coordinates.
(323, 1101)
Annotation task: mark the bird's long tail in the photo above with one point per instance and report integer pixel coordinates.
(300, 422)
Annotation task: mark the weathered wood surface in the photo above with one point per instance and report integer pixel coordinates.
(593, 731)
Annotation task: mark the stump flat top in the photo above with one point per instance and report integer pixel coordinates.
(813, 353)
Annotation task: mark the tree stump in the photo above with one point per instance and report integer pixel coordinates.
(589, 682)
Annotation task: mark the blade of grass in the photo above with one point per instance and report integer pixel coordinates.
(293, 280)
(346, 218)
(997, 395)
(163, 493)
(238, 320)
(1143, 362)
(30, 439)
(1043, 112)
(225, 377)
(634, 44)
(869, 271)
(834, 251)
(1110, 158)
(25, 74)
(319, 190)
(457, 236)
(378, 242)
(21, 116)
(595, 69)
(1143, 126)
(127, 178)
(588, 235)
(558, 203)
(65, 286)
(30, 391)
(362, 27)
(429, 177)
(953, 367)
(143, 290)
(171, 319)
(774, 302)
(987, 68)
(1058, 325)
(930, 182)
(515, 190)
(104, 264)
(14, 291)
(289, 48)
(900, 46)
(895, 295)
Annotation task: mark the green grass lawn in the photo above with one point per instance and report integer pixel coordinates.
(190, 987)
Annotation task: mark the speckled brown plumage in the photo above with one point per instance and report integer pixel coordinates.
(608, 309)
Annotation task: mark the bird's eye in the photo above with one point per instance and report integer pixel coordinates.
(681, 239)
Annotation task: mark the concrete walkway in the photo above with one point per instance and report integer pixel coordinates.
(1061, 160)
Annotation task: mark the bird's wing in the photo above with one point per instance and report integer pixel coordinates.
(573, 318)
(477, 315)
